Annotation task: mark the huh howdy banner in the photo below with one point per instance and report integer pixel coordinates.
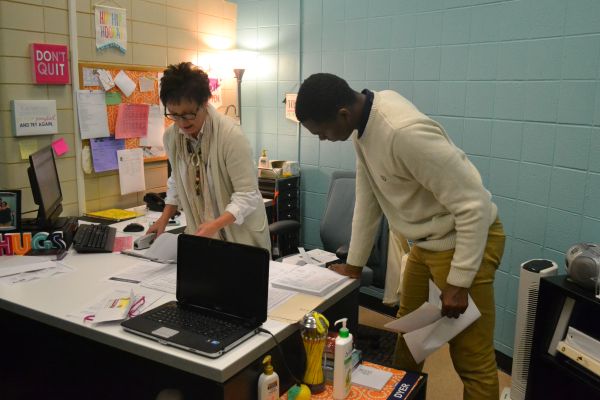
(111, 28)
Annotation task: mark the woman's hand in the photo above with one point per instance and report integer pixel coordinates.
(158, 227)
(208, 229)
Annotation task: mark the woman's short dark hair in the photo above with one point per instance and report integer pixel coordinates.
(184, 81)
(321, 96)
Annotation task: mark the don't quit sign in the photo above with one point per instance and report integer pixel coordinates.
(50, 63)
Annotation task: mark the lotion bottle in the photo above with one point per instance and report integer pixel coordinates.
(268, 382)
(342, 362)
(263, 160)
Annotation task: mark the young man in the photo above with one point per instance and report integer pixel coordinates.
(408, 169)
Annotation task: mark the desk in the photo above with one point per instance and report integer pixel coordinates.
(81, 361)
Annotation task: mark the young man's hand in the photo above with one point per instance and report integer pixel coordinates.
(455, 300)
(347, 270)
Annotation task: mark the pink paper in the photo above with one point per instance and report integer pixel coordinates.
(60, 146)
(123, 243)
(132, 121)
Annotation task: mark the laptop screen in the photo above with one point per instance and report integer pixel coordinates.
(226, 277)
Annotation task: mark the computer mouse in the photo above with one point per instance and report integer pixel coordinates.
(134, 227)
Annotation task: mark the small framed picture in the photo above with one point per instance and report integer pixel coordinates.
(10, 211)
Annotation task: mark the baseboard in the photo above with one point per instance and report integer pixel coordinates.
(504, 362)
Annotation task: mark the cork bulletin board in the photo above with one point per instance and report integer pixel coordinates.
(137, 97)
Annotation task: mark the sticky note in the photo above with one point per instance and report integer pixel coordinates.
(60, 146)
(112, 98)
(27, 147)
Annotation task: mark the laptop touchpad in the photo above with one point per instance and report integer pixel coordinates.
(165, 332)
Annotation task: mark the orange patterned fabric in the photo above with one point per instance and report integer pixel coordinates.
(360, 392)
(136, 97)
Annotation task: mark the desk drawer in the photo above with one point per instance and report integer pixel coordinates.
(283, 214)
(285, 195)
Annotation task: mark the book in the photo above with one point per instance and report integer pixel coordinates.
(113, 214)
(309, 279)
(406, 385)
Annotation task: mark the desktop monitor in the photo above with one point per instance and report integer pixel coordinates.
(45, 186)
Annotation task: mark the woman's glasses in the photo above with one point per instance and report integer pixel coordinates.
(182, 117)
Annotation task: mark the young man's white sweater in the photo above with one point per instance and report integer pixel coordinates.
(407, 167)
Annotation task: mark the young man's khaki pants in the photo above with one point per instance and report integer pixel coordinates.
(472, 351)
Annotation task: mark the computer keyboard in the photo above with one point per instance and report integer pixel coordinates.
(94, 239)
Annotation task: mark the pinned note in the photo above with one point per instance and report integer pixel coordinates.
(156, 127)
(131, 170)
(93, 117)
(112, 98)
(105, 79)
(27, 147)
(104, 153)
(60, 146)
(146, 84)
(132, 121)
(125, 83)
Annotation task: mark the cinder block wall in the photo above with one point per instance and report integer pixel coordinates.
(159, 33)
(516, 83)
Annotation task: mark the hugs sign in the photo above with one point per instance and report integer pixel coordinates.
(19, 244)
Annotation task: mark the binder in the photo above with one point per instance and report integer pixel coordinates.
(582, 349)
(113, 214)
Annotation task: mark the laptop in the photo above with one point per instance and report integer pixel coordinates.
(222, 292)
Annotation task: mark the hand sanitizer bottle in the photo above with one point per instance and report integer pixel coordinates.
(263, 160)
(268, 382)
(342, 362)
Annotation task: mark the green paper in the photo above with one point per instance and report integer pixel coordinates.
(113, 98)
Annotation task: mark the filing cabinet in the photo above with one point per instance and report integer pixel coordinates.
(285, 193)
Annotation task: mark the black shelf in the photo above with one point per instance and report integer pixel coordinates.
(553, 377)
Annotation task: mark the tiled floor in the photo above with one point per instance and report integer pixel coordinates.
(443, 382)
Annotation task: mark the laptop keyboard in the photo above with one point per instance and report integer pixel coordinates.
(211, 327)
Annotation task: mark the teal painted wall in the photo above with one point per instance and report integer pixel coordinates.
(515, 83)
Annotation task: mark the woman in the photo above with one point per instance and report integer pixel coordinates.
(213, 177)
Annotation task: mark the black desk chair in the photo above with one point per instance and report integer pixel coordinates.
(336, 228)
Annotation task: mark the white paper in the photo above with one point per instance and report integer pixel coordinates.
(17, 269)
(146, 84)
(51, 268)
(105, 79)
(156, 128)
(131, 170)
(423, 336)
(90, 77)
(141, 272)
(317, 257)
(164, 247)
(165, 282)
(309, 279)
(125, 83)
(93, 117)
(370, 377)
(277, 296)
(99, 310)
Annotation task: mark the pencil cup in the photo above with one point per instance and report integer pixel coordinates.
(314, 337)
